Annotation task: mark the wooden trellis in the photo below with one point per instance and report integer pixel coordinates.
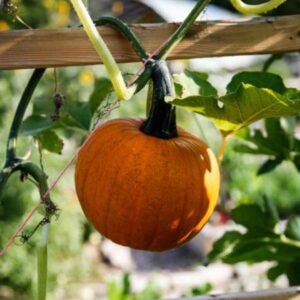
(21, 49)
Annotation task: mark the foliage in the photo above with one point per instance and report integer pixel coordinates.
(199, 290)
(276, 139)
(122, 290)
(251, 96)
(262, 239)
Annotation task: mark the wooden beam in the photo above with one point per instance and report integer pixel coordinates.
(292, 293)
(21, 49)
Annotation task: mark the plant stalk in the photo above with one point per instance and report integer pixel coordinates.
(251, 9)
(19, 115)
(171, 43)
(102, 50)
(182, 29)
(42, 264)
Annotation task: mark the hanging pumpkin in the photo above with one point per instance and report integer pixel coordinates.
(147, 184)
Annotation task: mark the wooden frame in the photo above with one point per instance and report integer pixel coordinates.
(292, 293)
(20, 49)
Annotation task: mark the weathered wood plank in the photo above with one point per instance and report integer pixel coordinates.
(292, 293)
(70, 46)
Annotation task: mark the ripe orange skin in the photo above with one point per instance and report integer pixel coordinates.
(146, 192)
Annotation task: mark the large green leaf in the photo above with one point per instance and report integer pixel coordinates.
(246, 105)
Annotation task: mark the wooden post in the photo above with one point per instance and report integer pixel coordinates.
(21, 49)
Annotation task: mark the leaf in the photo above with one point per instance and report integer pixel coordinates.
(50, 141)
(224, 246)
(271, 140)
(276, 139)
(257, 218)
(76, 114)
(234, 111)
(102, 89)
(277, 270)
(192, 83)
(269, 165)
(292, 230)
(253, 249)
(36, 124)
(296, 161)
(254, 142)
(293, 273)
(258, 79)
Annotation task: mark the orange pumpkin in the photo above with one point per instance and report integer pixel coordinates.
(147, 184)
(143, 191)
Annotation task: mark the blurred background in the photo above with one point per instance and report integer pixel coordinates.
(82, 264)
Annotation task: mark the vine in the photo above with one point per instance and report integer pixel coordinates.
(244, 8)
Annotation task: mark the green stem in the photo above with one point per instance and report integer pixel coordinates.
(183, 29)
(37, 174)
(161, 121)
(41, 178)
(172, 42)
(19, 115)
(244, 8)
(102, 50)
(42, 264)
(126, 32)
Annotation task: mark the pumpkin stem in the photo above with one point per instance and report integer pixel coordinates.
(161, 121)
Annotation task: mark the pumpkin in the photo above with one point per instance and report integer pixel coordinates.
(147, 184)
(143, 191)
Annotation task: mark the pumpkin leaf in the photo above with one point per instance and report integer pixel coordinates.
(258, 79)
(76, 113)
(269, 165)
(277, 270)
(191, 83)
(292, 229)
(237, 110)
(277, 139)
(224, 246)
(257, 218)
(50, 141)
(35, 124)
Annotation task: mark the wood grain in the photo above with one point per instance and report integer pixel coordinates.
(21, 49)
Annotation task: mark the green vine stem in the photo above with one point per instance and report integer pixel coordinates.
(182, 29)
(126, 32)
(42, 264)
(14, 164)
(163, 51)
(244, 8)
(102, 50)
(19, 115)
(12, 161)
(222, 147)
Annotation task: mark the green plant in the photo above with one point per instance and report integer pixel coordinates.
(264, 240)
(121, 290)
